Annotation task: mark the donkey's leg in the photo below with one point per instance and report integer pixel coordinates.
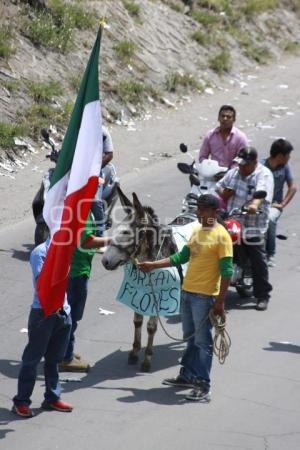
(133, 354)
(151, 329)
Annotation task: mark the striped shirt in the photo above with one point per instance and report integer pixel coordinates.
(261, 179)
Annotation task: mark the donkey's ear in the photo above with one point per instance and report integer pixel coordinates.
(137, 206)
(125, 202)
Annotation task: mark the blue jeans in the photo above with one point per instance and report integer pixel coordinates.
(48, 338)
(274, 215)
(98, 212)
(77, 295)
(197, 358)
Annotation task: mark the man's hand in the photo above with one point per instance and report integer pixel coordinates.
(146, 266)
(106, 158)
(227, 193)
(277, 205)
(218, 308)
(252, 208)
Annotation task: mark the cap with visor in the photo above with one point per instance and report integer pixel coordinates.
(246, 155)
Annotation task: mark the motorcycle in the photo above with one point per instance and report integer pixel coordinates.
(203, 178)
(109, 196)
(242, 278)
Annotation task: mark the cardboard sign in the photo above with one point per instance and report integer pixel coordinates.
(151, 294)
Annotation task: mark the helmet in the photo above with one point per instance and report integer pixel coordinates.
(234, 228)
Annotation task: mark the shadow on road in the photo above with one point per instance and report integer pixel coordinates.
(9, 368)
(234, 301)
(160, 395)
(7, 416)
(5, 419)
(112, 367)
(115, 367)
(22, 255)
(283, 347)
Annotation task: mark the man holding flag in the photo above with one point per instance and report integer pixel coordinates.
(68, 203)
(81, 266)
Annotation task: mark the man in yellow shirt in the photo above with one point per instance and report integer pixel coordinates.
(209, 253)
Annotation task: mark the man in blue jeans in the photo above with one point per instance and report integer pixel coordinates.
(278, 164)
(47, 337)
(209, 253)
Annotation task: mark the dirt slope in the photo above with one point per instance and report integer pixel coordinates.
(150, 55)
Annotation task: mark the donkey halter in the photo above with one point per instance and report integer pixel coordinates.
(132, 254)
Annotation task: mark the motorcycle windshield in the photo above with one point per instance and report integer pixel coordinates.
(208, 168)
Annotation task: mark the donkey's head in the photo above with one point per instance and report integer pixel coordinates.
(138, 236)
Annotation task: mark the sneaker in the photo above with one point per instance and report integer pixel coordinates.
(179, 381)
(75, 365)
(262, 304)
(271, 261)
(200, 393)
(22, 410)
(58, 405)
(77, 356)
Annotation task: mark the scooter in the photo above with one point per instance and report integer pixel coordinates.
(203, 178)
(109, 196)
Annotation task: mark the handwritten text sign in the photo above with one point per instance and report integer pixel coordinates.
(152, 293)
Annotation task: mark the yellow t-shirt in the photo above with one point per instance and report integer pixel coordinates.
(207, 247)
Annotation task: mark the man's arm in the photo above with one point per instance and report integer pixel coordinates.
(204, 150)
(96, 242)
(292, 189)
(37, 260)
(226, 270)
(223, 189)
(265, 182)
(147, 266)
(106, 158)
(218, 307)
(176, 259)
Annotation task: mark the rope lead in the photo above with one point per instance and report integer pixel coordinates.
(221, 340)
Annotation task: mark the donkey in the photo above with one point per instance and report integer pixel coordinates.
(139, 237)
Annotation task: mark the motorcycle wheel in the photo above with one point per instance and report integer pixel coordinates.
(41, 233)
(245, 287)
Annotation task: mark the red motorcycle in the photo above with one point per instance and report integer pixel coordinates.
(242, 278)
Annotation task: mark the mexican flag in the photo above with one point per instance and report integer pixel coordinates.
(73, 186)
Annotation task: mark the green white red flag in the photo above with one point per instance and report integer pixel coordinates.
(73, 186)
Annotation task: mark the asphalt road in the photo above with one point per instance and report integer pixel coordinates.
(255, 395)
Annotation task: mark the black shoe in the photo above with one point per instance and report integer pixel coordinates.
(262, 304)
(200, 393)
(179, 381)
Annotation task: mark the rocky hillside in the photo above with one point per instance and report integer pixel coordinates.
(153, 51)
